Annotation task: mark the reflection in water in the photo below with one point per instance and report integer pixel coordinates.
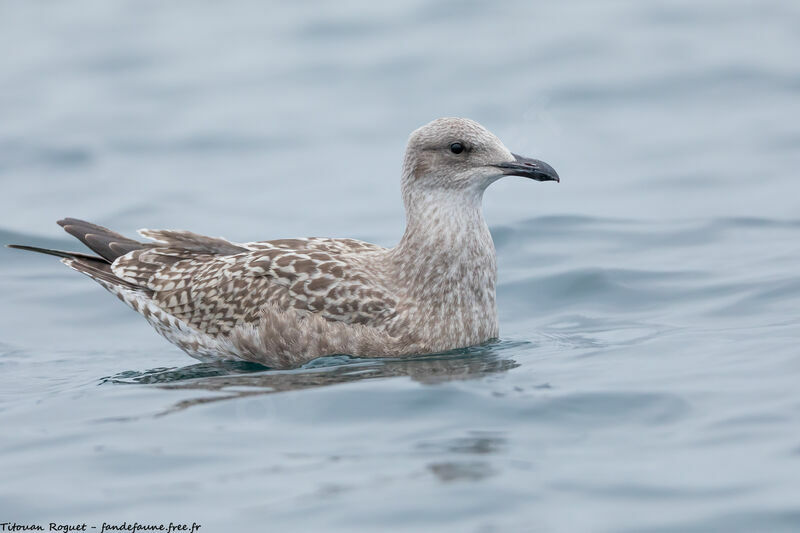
(476, 443)
(239, 379)
(464, 458)
(461, 471)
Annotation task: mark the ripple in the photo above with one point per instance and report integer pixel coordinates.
(17, 155)
(595, 409)
(743, 521)
(461, 470)
(678, 86)
(594, 288)
(476, 443)
(203, 144)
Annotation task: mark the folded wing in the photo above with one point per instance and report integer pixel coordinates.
(214, 285)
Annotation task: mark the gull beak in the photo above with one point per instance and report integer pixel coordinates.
(529, 168)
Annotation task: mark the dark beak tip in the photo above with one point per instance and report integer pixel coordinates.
(530, 168)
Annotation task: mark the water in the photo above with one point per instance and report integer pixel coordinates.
(646, 379)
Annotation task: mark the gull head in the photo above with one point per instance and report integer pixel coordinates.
(460, 154)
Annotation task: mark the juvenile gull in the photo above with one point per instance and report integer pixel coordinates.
(285, 302)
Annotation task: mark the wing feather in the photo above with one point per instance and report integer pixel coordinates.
(215, 292)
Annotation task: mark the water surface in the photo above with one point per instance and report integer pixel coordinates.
(646, 378)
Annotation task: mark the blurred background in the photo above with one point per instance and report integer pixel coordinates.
(211, 115)
(646, 376)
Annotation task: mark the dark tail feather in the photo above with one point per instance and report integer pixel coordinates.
(60, 253)
(97, 268)
(108, 244)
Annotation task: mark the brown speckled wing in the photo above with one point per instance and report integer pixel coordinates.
(316, 244)
(214, 292)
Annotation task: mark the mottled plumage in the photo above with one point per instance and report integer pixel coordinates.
(285, 302)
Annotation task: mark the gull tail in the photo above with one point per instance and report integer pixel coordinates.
(58, 253)
(106, 243)
(93, 266)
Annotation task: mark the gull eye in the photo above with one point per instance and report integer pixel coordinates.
(456, 148)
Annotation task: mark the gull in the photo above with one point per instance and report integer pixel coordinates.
(285, 302)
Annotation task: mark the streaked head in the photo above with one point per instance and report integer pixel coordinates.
(459, 153)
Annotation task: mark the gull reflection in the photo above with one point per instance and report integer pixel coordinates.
(231, 379)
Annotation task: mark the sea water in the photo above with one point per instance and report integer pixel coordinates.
(646, 378)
